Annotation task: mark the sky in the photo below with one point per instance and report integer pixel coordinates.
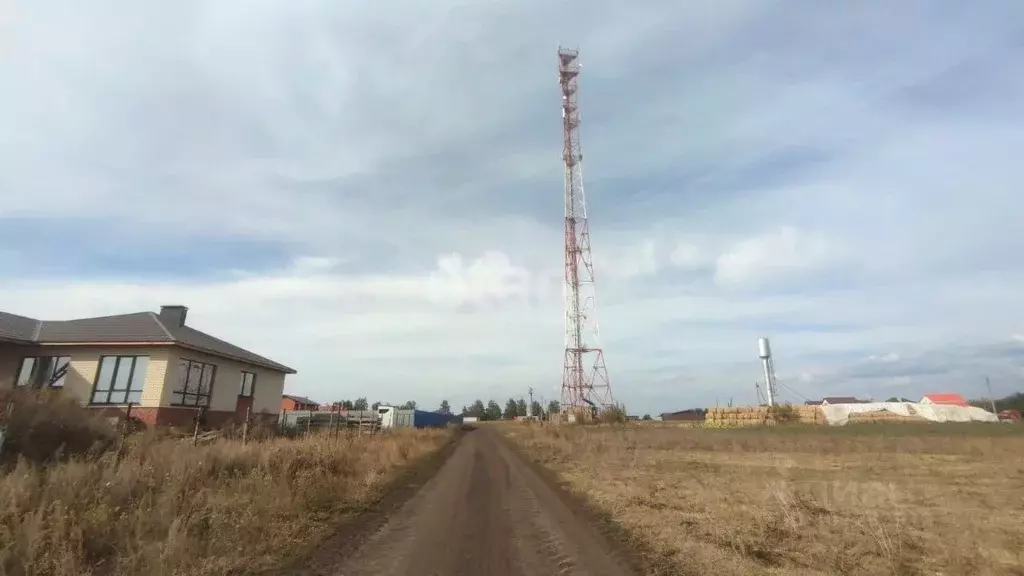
(371, 192)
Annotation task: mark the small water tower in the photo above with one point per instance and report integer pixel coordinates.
(764, 352)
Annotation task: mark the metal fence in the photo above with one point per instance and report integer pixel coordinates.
(307, 421)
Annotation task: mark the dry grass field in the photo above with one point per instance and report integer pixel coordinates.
(868, 499)
(170, 508)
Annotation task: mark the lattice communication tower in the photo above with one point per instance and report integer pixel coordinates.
(585, 382)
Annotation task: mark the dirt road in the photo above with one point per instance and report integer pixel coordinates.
(486, 512)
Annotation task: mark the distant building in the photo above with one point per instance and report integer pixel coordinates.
(835, 400)
(693, 414)
(298, 403)
(945, 399)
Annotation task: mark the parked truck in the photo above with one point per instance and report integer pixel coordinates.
(393, 417)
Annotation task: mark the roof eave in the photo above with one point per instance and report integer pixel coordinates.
(109, 343)
(153, 343)
(268, 365)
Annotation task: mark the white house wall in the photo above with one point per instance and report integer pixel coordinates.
(227, 383)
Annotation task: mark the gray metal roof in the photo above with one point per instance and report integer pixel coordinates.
(127, 328)
(18, 328)
(841, 399)
(137, 327)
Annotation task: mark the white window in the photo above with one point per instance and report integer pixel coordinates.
(248, 384)
(43, 371)
(120, 380)
(194, 385)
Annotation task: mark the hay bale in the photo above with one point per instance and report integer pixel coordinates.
(883, 417)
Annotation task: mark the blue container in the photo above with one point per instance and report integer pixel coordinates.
(424, 419)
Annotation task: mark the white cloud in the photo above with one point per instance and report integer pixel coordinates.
(492, 277)
(623, 261)
(784, 253)
(689, 254)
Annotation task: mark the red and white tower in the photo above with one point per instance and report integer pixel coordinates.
(585, 382)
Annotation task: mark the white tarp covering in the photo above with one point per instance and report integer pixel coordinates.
(839, 414)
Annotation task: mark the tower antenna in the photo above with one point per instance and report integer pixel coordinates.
(585, 383)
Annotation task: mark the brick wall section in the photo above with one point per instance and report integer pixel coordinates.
(244, 404)
(183, 417)
(85, 362)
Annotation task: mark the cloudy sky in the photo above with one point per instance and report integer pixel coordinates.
(371, 191)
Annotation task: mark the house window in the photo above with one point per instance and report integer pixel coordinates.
(248, 383)
(43, 371)
(195, 383)
(120, 380)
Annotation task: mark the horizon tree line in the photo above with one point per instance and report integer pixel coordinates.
(489, 411)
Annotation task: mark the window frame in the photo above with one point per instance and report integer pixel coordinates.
(252, 385)
(35, 379)
(184, 391)
(111, 390)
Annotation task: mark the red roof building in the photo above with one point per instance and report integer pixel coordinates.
(291, 403)
(945, 399)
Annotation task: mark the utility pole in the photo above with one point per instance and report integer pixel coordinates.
(529, 407)
(583, 388)
(991, 398)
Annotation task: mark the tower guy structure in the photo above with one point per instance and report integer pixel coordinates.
(585, 382)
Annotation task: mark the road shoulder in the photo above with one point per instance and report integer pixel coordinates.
(633, 550)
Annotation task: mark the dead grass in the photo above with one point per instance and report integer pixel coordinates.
(895, 499)
(170, 508)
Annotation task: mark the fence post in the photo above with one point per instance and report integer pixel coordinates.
(195, 430)
(245, 425)
(123, 433)
(127, 420)
(3, 426)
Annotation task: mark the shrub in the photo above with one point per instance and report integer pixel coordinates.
(45, 426)
(783, 413)
(615, 414)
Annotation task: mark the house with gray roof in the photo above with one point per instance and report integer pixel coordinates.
(836, 400)
(166, 370)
